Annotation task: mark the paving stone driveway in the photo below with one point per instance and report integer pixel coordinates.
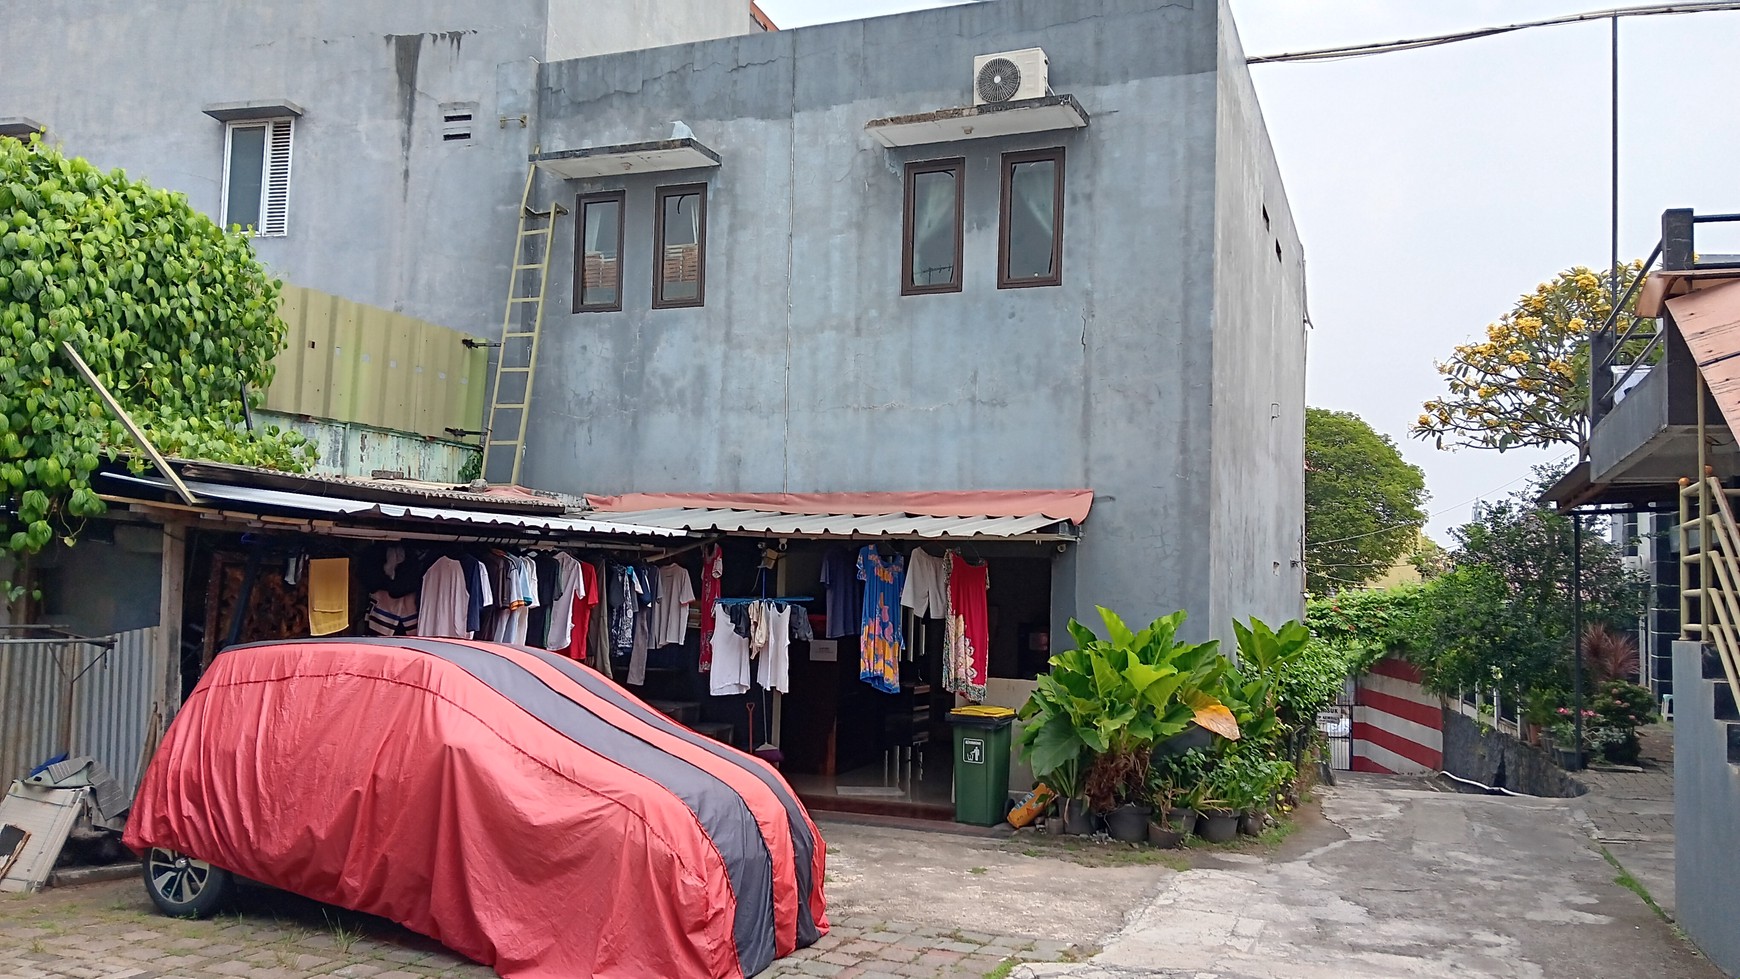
(110, 931)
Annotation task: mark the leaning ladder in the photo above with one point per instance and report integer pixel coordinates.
(504, 436)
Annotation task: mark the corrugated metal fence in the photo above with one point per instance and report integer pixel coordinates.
(111, 702)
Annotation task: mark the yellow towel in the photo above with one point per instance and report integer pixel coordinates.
(328, 595)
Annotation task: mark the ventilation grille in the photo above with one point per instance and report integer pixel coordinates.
(999, 80)
(456, 121)
(276, 217)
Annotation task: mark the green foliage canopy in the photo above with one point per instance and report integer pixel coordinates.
(176, 316)
(1364, 504)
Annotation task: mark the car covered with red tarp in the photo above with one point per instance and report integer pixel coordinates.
(514, 805)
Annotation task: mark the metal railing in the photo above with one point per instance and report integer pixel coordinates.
(1638, 344)
(1710, 542)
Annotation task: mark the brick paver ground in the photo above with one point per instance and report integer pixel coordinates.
(1630, 814)
(110, 931)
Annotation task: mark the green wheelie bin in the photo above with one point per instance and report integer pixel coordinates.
(982, 737)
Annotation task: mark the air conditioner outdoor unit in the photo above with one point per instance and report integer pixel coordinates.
(1011, 76)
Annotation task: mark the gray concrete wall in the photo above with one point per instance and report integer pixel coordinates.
(383, 211)
(1706, 814)
(807, 370)
(583, 28)
(1256, 475)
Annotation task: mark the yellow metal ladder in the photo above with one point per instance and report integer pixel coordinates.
(504, 435)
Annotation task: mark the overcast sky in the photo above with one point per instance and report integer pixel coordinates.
(1433, 187)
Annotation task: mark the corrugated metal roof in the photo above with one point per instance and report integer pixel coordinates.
(697, 519)
(331, 505)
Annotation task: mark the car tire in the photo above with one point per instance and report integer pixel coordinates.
(183, 887)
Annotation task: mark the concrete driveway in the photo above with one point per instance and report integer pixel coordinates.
(1399, 880)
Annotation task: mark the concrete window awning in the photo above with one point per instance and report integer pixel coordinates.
(1052, 113)
(20, 126)
(256, 109)
(659, 156)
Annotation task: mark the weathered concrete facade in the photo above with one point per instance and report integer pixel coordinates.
(1706, 807)
(383, 209)
(1166, 372)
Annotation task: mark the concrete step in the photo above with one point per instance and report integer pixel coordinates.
(1726, 709)
(1712, 663)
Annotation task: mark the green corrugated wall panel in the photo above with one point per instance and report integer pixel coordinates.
(354, 363)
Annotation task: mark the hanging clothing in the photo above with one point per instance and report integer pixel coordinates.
(731, 671)
(445, 601)
(477, 586)
(570, 582)
(967, 640)
(328, 595)
(758, 629)
(880, 639)
(646, 600)
(774, 668)
(926, 591)
(671, 615)
(538, 620)
(392, 616)
(598, 636)
(712, 570)
(580, 612)
(841, 581)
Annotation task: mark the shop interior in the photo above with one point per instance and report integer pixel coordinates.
(844, 743)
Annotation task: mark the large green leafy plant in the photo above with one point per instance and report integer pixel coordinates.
(1101, 708)
(176, 317)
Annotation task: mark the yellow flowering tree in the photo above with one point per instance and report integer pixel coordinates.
(1527, 383)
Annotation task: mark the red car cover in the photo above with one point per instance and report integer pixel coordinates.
(512, 804)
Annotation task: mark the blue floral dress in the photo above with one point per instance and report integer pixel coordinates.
(880, 640)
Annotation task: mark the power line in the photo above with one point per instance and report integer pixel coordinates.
(1417, 43)
(1435, 513)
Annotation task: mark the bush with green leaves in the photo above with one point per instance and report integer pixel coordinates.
(1096, 714)
(176, 317)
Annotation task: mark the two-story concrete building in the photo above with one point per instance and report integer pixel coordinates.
(942, 279)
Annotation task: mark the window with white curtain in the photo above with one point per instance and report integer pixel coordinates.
(598, 252)
(931, 242)
(1030, 242)
(680, 246)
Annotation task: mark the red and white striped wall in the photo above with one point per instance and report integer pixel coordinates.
(1398, 728)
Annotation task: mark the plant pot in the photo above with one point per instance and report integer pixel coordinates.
(1163, 835)
(1218, 825)
(1054, 825)
(1251, 823)
(1570, 759)
(1077, 820)
(1181, 821)
(1128, 823)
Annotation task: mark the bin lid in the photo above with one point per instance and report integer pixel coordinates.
(982, 710)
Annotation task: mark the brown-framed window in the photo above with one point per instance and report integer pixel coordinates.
(930, 253)
(1030, 239)
(598, 252)
(680, 246)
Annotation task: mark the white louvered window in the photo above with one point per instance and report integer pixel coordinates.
(257, 175)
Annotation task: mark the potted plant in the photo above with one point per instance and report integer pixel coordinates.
(1171, 779)
(1104, 705)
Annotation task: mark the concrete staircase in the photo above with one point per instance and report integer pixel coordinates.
(1726, 710)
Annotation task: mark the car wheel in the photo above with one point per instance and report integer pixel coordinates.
(183, 887)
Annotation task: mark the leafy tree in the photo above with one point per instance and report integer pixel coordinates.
(1527, 383)
(1502, 617)
(176, 317)
(1363, 502)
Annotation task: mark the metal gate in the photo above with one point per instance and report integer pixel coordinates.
(1336, 723)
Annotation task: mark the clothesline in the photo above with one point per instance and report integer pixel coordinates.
(786, 599)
